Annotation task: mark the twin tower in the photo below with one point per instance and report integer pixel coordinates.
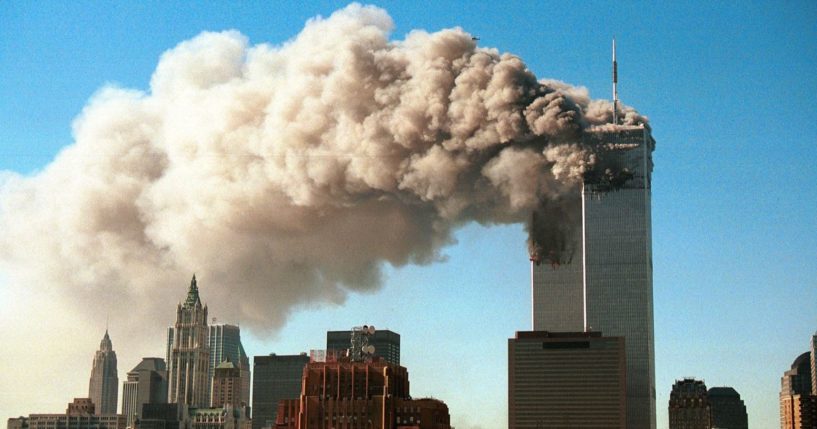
(593, 312)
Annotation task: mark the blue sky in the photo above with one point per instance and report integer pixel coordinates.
(729, 89)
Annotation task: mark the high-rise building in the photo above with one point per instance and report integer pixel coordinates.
(368, 394)
(798, 407)
(386, 343)
(275, 377)
(225, 344)
(146, 384)
(728, 410)
(189, 355)
(600, 276)
(227, 386)
(104, 385)
(689, 405)
(566, 380)
(814, 364)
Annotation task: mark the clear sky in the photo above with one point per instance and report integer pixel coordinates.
(730, 92)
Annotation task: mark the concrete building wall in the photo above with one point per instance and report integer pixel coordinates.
(566, 380)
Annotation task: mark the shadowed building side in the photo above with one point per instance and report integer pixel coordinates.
(103, 388)
(566, 380)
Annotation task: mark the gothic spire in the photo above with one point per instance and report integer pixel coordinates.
(193, 294)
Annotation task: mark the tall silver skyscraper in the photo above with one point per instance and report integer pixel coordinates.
(188, 353)
(104, 386)
(225, 343)
(604, 280)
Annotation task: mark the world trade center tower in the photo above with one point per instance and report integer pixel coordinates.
(606, 284)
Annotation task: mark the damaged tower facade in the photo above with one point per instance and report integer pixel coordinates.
(601, 279)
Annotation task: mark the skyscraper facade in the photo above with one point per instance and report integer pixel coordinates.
(728, 410)
(566, 380)
(276, 377)
(367, 394)
(103, 388)
(798, 407)
(146, 384)
(602, 280)
(189, 355)
(689, 405)
(225, 344)
(386, 343)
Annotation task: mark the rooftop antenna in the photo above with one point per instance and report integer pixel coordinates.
(615, 81)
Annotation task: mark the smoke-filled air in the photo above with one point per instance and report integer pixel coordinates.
(289, 175)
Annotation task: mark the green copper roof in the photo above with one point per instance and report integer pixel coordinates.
(193, 294)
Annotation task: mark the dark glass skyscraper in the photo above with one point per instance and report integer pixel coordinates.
(603, 281)
(276, 378)
(225, 343)
(386, 343)
(728, 410)
(104, 386)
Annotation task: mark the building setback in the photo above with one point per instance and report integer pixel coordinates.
(146, 383)
(359, 395)
(386, 343)
(188, 353)
(103, 387)
(566, 380)
(728, 410)
(689, 405)
(599, 277)
(276, 377)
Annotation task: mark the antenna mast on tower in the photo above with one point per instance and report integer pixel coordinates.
(615, 81)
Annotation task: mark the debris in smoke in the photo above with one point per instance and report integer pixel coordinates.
(290, 174)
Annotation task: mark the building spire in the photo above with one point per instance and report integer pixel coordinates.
(193, 294)
(105, 345)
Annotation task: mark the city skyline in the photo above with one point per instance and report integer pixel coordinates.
(731, 244)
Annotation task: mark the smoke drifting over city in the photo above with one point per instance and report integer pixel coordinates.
(288, 175)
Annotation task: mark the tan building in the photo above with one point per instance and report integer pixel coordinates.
(359, 395)
(188, 354)
(566, 380)
(227, 385)
(798, 407)
(79, 415)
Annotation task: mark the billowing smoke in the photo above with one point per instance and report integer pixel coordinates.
(289, 175)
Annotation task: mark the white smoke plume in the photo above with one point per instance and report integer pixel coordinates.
(287, 175)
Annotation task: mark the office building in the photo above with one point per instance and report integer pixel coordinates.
(80, 414)
(599, 276)
(566, 380)
(225, 344)
(728, 410)
(227, 386)
(386, 343)
(814, 364)
(368, 394)
(275, 377)
(226, 417)
(188, 353)
(104, 385)
(689, 405)
(17, 423)
(146, 384)
(798, 407)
